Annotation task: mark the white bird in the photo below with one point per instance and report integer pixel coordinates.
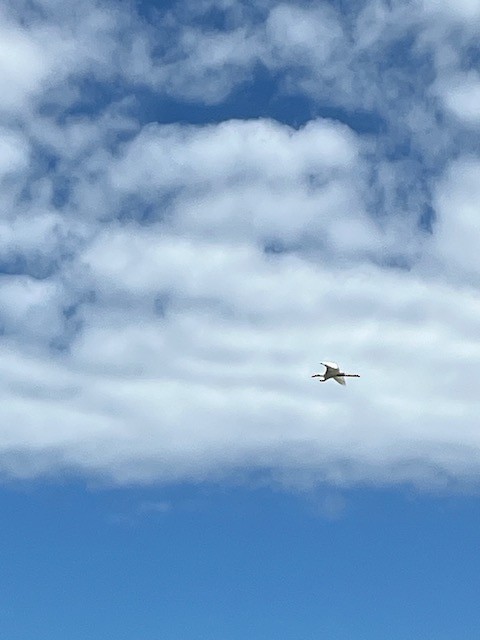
(332, 370)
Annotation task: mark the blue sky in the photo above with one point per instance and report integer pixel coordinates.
(201, 200)
(236, 563)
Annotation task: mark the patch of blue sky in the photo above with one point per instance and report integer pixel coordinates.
(91, 96)
(257, 97)
(427, 218)
(275, 246)
(45, 161)
(72, 328)
(39, 266)
(209, 15)
(150, 10)
(161, 303)
(262, 95)
(236, 563)
(471, 57)
(404, 52)
(73, 319)
(144, 210)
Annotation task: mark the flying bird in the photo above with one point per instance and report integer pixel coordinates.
(332, 370)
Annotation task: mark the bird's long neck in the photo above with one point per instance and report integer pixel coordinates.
(349, 375)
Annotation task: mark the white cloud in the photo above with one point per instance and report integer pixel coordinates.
(208, 65)
(44, 46)
(461, 96)
(14, 152)
(24, 65)
(457, 199)
(151, 332)
(220, 379)
(301, 36)
(29, 307)
(463, 11)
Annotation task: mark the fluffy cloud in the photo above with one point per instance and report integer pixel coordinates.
(463, 11)
(457, 233)
(167, 290)
(14, 153)
(461, 96)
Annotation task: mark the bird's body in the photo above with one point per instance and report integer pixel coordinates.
(332, 370)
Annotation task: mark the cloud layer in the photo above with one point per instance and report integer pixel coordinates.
(167, 289)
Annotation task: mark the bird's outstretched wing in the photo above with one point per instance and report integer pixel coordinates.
(332, 367)
(340, 380)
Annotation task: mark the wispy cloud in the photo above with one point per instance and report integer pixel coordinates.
(155, 507)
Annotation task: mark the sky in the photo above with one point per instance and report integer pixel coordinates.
(200, 201)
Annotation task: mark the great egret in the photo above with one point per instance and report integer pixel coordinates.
(332, 370)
